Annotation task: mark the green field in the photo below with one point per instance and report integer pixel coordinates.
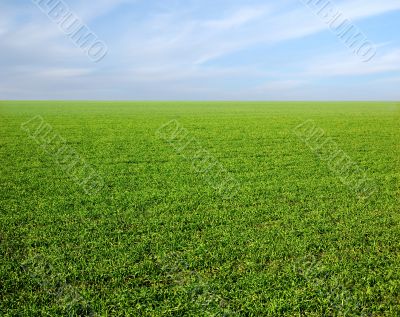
(156, 239)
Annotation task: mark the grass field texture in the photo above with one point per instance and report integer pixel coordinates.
(157, 240)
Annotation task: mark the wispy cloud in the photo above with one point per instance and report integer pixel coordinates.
(239, 18)
(350, 66)
(189, 49)
(56, 73)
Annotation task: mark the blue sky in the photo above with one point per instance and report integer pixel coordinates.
(200, 50)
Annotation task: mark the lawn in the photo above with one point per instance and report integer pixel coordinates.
(156, 237)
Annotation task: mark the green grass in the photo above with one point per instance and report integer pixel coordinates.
(157, 240)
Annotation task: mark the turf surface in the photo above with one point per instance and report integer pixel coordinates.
(158, 240)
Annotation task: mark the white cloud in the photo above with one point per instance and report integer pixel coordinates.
(89, 11)
(349, 65)
(242, 16)
(166, 51)
(203, 41)
(61, 73)
(357, 9)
